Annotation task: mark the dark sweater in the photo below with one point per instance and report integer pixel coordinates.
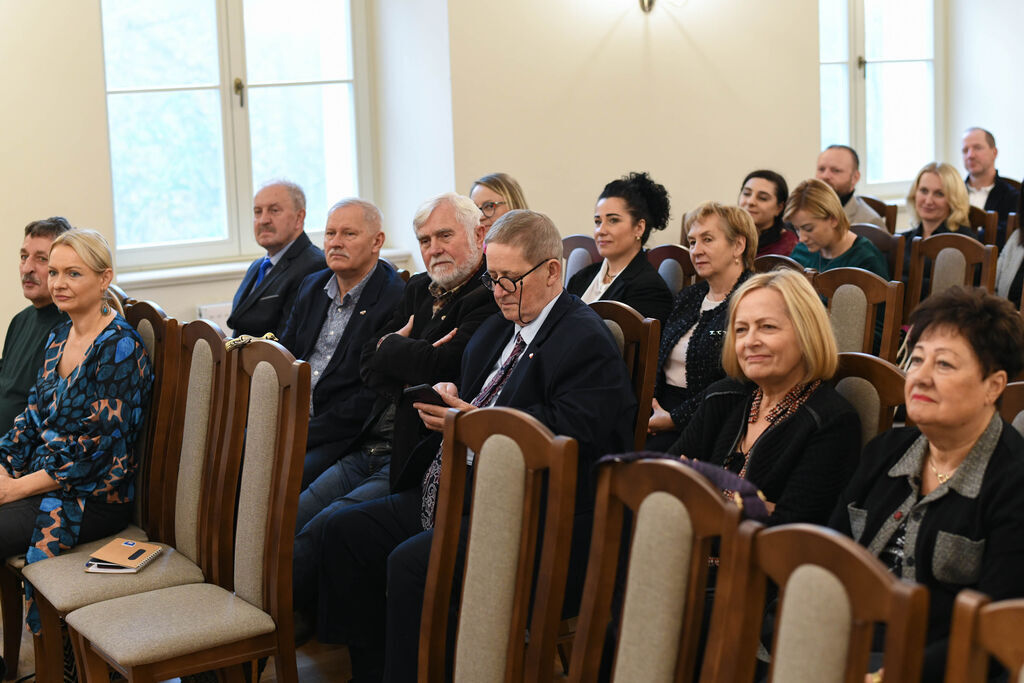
(638, 285)
(801, 464)
(24, 348)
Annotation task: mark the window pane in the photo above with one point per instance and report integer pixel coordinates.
(303, 40)
(833, 31)
(307, 135)
(155, 44)
(835, 105)
(899, 30)
(167, 157)
(900, 120)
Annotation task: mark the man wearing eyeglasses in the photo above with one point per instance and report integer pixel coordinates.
(547, 354)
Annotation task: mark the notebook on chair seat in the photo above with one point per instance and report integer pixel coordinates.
(122, 556)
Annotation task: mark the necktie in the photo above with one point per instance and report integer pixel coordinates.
(432, 478)
(265, 265)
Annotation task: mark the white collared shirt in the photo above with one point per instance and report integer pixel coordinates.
(597, 286)
(528, 332)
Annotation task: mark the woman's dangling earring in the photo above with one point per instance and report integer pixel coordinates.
(105, 309)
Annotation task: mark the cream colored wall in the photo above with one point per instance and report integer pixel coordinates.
(568, 95)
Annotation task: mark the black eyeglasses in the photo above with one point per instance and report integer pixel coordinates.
(507, 283)
(488, 208)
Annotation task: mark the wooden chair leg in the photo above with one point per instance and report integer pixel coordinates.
(284, 659)
(12, 614)
(91, 667)
(49, 644)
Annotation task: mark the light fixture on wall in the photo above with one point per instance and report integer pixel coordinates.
(647, 5)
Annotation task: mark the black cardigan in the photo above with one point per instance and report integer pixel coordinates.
(801, 464)
(638, 286)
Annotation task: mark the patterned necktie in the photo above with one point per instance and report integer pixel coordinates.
(432, 478)
(265, 265)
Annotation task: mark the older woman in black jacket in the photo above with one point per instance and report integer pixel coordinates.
(940, 503)
(723, 243)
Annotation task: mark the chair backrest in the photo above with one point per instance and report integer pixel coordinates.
(886, 211)
(1012, 223)
(120, 294)
(638, 339)
(274, 390)
(982, 628)
(1015, 184)
(161, 336)
(1011, 405)
(404, 274)
(892, 246)
(579, 251)
(676, 516)
(984, 223)
(673, 263)
(954, 260)
(769, 262)
(513, 453)
(874, 387)
(195, 438)
(856, 297)
(832, 593)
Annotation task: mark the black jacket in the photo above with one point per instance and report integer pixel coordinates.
(638, 286)
(1003, 199)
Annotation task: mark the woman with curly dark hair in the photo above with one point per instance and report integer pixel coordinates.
(627, 211)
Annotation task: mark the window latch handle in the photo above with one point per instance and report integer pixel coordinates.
(240, 91)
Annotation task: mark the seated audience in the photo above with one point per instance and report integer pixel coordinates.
(264, 300)
(839, 168)
(722, 241)
(27, 332)
(547, 354)
(940, 503)
(626, 213)
(763, 195)
(336, 312)
(826, 241)
(1010, 269)
(985, 189)
(68, 463)
(495, 195)
(938, 203)
(776, 420)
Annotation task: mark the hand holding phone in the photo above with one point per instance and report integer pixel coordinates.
(424, 393)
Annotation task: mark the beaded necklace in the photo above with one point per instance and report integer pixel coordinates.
(789, 404)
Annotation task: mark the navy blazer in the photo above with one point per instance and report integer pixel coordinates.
(341, 402)
(267, 307)
(571, 378)
(639, 286)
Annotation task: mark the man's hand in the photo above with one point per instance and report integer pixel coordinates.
(405, 331)
(446, 338)
(432, 415)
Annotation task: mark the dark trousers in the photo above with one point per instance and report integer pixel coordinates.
(18, 521)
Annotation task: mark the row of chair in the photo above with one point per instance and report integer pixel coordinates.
(220, 468)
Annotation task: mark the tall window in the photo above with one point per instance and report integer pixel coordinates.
(877, 70)
(208, 99)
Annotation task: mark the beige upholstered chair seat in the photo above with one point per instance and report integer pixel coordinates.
(17, 562)
(167, 623)
(67, 586)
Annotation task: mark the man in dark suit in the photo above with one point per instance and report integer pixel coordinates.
(264, 300)
(985, 189)
(336, 312)
(553, 358)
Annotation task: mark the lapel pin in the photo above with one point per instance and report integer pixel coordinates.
(530, 356)
(362, 312)
(444, 316)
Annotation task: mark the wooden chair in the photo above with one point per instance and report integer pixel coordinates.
(404, 274)
(1015, 184)
(1011, 405)
(579, 251)
(1012, 223)
(832, 592)
(638, 339)
(954, 259)
(192, 497)
(980, 629)
(673, 263)
(892, 246)
(856, 297)
(677, 515)
(874, 387)
(514, 452)
(886, 211)
(984, 223)
(160, 335)
(186, 629)
(122, 297)
(769, 262)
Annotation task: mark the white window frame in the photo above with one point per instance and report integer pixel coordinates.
(858, 100)
(240, 244)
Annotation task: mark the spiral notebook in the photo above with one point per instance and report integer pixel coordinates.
(122, 556)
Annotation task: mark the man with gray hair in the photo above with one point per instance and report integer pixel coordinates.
(422, 343)
(264, 300)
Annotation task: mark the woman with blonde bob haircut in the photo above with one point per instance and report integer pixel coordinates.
(775, 420)
(826, 241)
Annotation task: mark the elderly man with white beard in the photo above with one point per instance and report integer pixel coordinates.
(421, 344)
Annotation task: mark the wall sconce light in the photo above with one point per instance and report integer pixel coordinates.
(646, 5)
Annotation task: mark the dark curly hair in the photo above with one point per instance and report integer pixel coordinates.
(645, 199)
(989, 323)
